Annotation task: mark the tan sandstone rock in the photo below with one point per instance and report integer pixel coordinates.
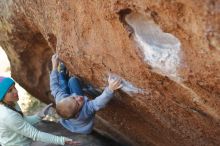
(168, 50)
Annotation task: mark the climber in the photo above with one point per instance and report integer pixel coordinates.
(76, 110)
(18, 129)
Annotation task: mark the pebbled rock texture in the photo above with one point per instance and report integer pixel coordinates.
(96, 37)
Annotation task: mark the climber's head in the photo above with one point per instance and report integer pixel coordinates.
(70, 106)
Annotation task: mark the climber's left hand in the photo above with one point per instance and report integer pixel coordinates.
(44, 111)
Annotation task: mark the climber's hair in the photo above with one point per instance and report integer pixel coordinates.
(66, 108)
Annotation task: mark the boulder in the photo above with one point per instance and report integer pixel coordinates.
(167, 52)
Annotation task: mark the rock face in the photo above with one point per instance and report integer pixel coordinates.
(167, 52)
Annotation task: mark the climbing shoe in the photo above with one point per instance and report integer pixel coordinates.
(62, 68)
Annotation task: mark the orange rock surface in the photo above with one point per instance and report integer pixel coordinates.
(93, 38)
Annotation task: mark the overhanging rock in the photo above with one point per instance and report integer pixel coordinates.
(180, 104)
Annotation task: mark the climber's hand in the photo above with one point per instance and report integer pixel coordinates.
(72, 143)
(44, 111)
(55, 61)
(114, 82)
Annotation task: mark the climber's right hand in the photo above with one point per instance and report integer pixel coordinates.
(72, 143)
(114, 82)
(55, 61)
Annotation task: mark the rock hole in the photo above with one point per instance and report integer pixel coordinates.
(122, 14)
(53, 41)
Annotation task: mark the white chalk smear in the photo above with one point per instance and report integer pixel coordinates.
(127, 87)
(161, 50)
